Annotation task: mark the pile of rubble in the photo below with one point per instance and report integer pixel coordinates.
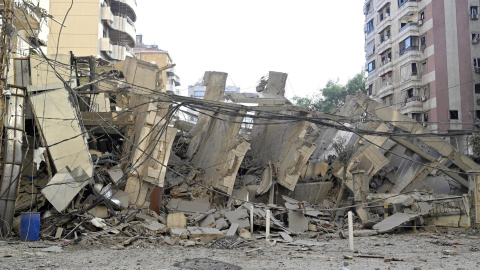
(106, 152)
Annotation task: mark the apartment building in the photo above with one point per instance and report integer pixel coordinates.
(423, 59)
(102, 28)
(151, 53)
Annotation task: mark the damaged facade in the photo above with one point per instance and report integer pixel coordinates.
(99, 148)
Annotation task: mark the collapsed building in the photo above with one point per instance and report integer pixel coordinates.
(101, 148)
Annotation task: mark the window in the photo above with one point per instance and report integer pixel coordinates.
(425, 117)
(370, 89)
(424, 67)
(409, 44)
(367, 8)
(198, 94)
(369, 27)
(401, 2)
(423, 41)
(414, 69)
(473, 10)
(475, 37)
(410, 93)
(371, 67)
(476, 62)
(453, 115)
(422, 15)
(478, 114)
(477, 88)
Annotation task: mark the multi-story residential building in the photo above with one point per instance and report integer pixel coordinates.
(423, 59)
(151, 53)
(102, 28)
(30, 23)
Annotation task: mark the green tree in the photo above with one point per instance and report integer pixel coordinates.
(332, 95)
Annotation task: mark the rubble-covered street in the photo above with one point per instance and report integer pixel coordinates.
(428, 250)
(103, 167)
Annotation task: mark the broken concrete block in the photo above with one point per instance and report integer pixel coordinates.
(186, 243)
(221, 224)
(179, 233)
(202, 233)
(233, 229)
(65, 182)
(244, 233)
(144, 217)
(207, 222)
(321, 168)
(155, 227)
(297, 222)
(176, 220)
(239, 216)
(115, 174)
(99, 211)
(189, 207)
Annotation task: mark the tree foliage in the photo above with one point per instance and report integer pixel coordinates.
(332, 95)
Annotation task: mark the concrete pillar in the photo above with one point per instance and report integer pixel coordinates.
(474, 191)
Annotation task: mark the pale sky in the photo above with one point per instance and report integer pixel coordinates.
(311, 40)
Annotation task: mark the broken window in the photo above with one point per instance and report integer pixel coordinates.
(477, 88)
(475, 37)
(474, 10)
(402, 2)
(423, 42)
(369, 27)
(408, 44)
(414, 69)
(371, 67)
(453, 114)
(410, 93)
(367, 8)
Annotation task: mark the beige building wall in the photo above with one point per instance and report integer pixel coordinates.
(83, 26)
(161, 59)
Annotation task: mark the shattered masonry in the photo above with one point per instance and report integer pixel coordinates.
(108, 151)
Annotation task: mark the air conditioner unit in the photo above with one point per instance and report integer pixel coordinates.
(420, 22)
(423, 98)
(477, 69)
(474, 16)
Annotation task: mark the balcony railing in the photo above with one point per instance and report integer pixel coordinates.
(402, 4)
(413, 99)
(409, 49)
(408, 25)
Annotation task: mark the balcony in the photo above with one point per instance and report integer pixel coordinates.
(411, 51)
(413, 105)
(106, 46)
(127, 7)
(381, 4)
(385, 66)
(387, 21)
(412, 26)
(123, 31)
(107, 15)
(384, 45)
(408, 9)
(386, 90)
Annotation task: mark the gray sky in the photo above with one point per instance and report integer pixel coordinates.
(311, 40)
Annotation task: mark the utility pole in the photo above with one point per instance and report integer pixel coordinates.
(5, 47)
(6, 204)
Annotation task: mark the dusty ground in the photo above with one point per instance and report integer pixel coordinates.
(425, 250)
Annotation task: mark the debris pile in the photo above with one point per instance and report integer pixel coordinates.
(104, 150)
